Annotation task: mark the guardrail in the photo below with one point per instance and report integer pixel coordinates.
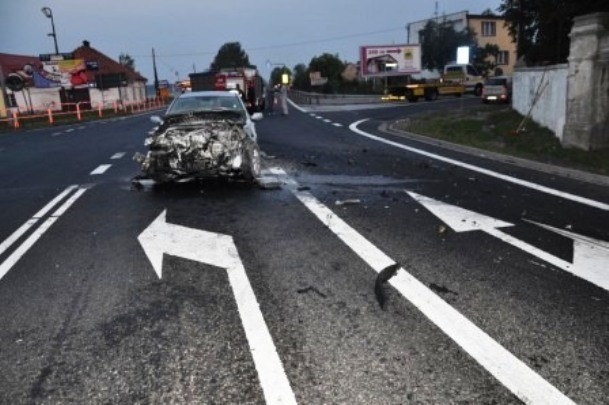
(303, 97)
(16, 118)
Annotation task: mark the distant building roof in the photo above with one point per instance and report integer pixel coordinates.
(106, 64)
(10, 63)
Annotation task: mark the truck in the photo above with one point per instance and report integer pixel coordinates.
(245, 80)
(455, 79)
(429, 89)
(467, 74)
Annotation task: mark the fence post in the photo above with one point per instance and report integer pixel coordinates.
(78, 111)
(115, 107)
(15, 120)
(99, 109)
(50, 112)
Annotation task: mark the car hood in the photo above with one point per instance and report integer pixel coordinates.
(200, 117)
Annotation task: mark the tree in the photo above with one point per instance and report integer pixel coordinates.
(485, 58)
(331, 67)
(439, 43)
(541, 28)
(301, 79)
(126, 60)
(230, 55)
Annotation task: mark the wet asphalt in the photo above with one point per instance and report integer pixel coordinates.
(85, 319)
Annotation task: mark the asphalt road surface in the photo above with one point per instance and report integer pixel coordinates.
(224, 292)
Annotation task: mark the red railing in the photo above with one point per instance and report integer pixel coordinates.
(49, 114)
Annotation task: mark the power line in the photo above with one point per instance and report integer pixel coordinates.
(278, 46)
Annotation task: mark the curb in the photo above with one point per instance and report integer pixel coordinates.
(597, 179)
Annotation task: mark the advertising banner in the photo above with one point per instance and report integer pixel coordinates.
(390, 60)
(62, 73)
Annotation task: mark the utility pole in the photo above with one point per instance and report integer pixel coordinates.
(156, 76)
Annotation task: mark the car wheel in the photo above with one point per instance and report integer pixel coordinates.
(252, 165)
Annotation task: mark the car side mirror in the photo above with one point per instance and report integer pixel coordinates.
(257, 116)
(155, 119)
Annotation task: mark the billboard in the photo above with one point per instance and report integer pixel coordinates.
(61, 73)
(390, 60)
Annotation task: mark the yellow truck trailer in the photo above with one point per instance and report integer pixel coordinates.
(430, 91)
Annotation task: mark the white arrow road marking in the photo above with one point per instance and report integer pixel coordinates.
(591, 256)
(514, 180)
(515, 375)
(219, 250)
(101, 169)
(29, 242)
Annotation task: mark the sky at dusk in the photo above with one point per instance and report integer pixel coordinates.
(186, 34)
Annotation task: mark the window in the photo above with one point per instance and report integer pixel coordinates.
(472, 71)
(489, 29)
(503, 58)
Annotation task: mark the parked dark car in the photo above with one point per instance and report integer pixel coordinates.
(202, 134)
(497, 89)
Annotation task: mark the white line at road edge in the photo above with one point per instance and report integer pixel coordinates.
(101, 169)
(524, 183)
(515, 375)
(29, 242)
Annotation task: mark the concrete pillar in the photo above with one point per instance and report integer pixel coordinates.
(587, 121)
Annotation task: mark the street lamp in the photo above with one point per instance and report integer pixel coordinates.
(48, 13)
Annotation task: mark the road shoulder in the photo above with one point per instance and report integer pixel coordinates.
(597, 179)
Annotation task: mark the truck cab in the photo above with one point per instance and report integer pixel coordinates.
(467, 74)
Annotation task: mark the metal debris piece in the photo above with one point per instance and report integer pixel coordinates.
(311, 289)
(441, 229)
(268, 183)
(440, 289)
(384, 276)
(348, 201)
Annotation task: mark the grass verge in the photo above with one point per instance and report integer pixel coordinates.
(492, 128)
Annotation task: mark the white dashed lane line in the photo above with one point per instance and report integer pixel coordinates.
(69, 130)
(336, 124)
(101, 169)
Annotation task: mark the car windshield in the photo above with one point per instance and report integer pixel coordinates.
(185, 105)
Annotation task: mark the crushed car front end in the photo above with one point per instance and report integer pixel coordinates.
(200, 145)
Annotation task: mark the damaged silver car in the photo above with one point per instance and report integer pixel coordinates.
(203, 134)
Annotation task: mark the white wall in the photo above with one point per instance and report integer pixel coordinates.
(551, 109)
(41, 99)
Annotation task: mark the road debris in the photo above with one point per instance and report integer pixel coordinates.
(348, 201)
(304, 188)
(311, 289)
(384, 276)
(440, 289)
(268, 183)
